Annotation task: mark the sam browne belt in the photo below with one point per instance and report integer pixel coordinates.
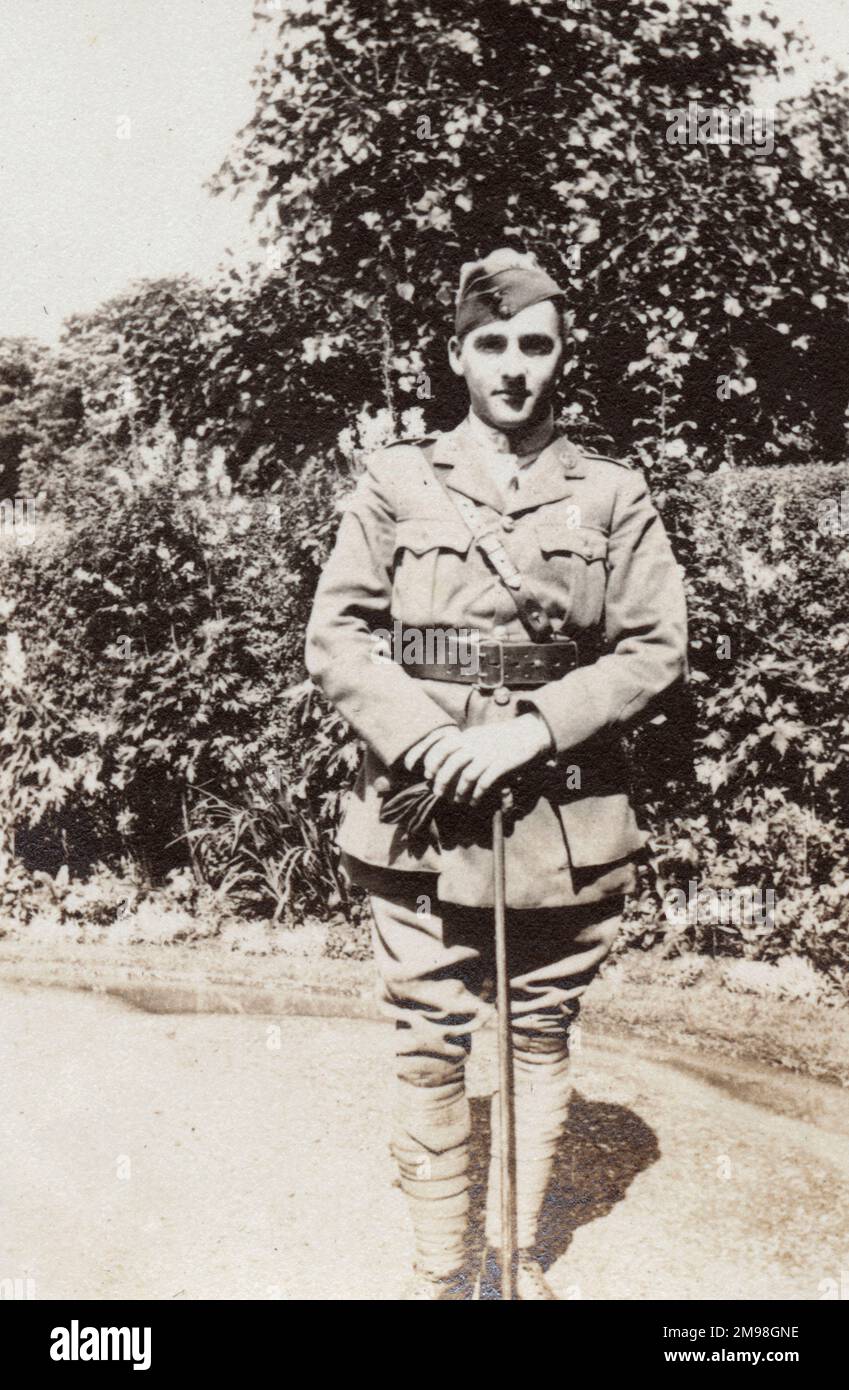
(494, 664)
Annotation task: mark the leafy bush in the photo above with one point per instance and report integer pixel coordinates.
(767, 572)
(150, 650)
(156, 709)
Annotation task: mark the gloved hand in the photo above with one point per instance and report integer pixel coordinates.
(462, 764)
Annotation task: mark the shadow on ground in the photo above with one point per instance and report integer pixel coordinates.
(604, 1148)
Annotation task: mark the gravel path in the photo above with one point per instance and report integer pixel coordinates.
(205, 1156)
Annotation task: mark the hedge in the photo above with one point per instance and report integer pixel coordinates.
(156, 711)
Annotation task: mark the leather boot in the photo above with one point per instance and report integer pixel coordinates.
(428, 1288)
(431, 1146)
(529, 1282)
(542, 1092)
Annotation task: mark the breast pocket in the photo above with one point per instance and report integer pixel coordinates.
(428, 568)
(574, 560)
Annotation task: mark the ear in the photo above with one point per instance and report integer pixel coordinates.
(455, 348)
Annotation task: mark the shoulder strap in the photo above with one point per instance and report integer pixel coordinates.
(491, 546)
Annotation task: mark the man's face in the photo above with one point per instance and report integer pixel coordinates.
(511, 366)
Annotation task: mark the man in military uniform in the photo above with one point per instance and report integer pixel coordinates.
(558, 562)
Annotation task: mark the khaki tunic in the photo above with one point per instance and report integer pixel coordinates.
(584, 533)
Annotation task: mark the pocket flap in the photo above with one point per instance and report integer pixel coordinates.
(423, 534)
(600, 830)
(578, 540)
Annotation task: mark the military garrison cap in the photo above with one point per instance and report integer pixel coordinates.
(499, 286)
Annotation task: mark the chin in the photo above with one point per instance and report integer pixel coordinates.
(506, 417)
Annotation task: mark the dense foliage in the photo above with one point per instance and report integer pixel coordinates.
(391, 143)
(149, 651)
(187, 446)
(156, 707)
(750, 786)
(708, 283)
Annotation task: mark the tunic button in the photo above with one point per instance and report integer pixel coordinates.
(507, 523)
(501, 696)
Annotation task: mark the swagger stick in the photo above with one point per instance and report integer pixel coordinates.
(506, 1111)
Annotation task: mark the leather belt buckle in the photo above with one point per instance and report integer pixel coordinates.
(484, 682)
(569, 642)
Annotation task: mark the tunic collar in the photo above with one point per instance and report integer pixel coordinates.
(498, 442)
(468, 457)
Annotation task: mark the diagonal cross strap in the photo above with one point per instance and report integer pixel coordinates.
(491, 546)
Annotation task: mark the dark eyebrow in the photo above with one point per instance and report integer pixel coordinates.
(536, 342)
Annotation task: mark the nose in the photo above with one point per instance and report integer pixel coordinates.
(512, 364)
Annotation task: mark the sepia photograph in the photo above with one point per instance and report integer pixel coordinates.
(424, 626)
